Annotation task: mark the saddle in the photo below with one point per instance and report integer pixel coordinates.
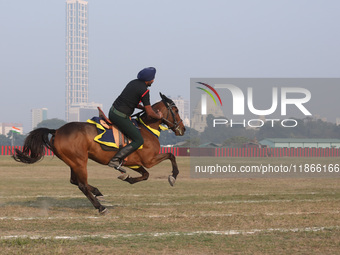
(111, 138)
(118, 137)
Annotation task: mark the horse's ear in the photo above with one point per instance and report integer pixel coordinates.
(162, 96)
(166, 100)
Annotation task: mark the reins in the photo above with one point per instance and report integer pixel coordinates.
(171, 125)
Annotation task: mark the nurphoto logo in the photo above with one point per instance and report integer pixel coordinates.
(277, 99)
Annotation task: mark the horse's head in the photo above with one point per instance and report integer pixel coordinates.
(171, 117)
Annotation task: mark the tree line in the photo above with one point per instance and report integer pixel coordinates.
(221, 134)
(238, 135)
(18, 139)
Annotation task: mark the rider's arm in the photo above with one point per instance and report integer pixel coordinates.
(151, 113)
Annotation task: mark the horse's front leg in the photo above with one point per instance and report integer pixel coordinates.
(161, 157)
(133, 180)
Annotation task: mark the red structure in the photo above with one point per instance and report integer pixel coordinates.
(226, 152)
(9, 150)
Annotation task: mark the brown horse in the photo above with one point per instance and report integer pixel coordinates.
(74, 144)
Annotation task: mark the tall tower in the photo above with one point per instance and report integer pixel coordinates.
(38, 115)
(183, 109)
(77, 56)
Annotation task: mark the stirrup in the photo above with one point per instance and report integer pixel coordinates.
(117, 167)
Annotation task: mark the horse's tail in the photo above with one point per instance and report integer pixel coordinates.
(34, 146)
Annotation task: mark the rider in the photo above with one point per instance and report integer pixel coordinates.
(135, 92)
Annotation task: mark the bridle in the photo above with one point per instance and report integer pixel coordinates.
(174, 126)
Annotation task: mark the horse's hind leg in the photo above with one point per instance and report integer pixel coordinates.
(80, 178)
(85, 189)
(93, 190)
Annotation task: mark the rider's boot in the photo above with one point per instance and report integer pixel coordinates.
(117, 161)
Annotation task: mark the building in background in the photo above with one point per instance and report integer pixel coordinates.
(77, 61)
(77, 58)
(337, 121)
(83, 112)
(37, 116)
(199, 120)
(183, 109)
(5, 128)
(300, 143)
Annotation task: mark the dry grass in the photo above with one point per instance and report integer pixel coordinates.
(42, 213)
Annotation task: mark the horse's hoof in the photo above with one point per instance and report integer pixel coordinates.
(123, 177)
(104, 212)
(171, 180)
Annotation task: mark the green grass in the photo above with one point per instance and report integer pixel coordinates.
(196, 216)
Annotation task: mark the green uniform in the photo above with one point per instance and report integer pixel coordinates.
(135, 92)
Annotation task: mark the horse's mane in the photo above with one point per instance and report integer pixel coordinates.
(167, 101)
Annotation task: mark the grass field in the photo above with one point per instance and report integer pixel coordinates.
(42, 213)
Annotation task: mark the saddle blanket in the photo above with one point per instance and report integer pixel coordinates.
(106, 136)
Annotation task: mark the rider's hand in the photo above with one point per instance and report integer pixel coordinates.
(160, 114)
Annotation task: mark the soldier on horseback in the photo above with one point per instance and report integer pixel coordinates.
(135, 93)
(74, 143)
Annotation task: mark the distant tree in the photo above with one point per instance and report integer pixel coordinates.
(19, 139)
(191, 137)
(51, 123)
(7, 140)
(169, 138)
(221, 133)
(236, 141)
(194, 141)
(4, 140)
(306, 128)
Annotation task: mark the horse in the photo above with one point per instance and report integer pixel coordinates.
(74, 144)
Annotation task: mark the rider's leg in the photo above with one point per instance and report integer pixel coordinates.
(117, 160)
(130, 130)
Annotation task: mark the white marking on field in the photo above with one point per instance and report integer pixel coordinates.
(293, 200)
(225, 202)
(41, 196)
(154, 195)
(165, 216)
(287, 193)
(167, 234)
(48, 218)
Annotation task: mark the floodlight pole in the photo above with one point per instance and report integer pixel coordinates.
(12, 138)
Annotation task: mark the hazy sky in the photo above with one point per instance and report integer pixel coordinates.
(182, 39)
